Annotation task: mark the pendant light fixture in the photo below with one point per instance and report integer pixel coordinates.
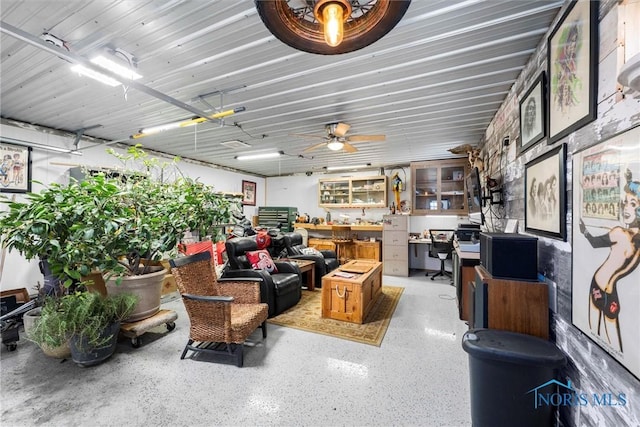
(332, 14)
(330, 27)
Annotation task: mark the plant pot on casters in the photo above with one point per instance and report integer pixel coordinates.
(147, 287)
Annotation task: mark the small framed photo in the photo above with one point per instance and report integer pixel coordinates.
(545, 202)
(15, 169)
(572, 61)
(533, 115)
(248, 193)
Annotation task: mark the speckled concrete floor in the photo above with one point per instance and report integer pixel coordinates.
(419, 376)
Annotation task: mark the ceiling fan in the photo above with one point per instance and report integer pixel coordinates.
(336, 138)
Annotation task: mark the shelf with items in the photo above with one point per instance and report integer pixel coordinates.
(333, 192)
(353, 192)
(438, 187)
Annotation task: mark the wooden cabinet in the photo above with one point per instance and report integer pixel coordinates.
(438, 187)
(367, 250)
(509, 305)
(358, 249)
(356, 192)
(395, 241)
(322, 244)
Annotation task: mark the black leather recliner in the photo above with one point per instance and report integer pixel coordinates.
(281, 290)
(325, 263)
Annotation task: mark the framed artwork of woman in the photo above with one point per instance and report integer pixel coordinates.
(533, 115)
(606, 246)
(572, 60)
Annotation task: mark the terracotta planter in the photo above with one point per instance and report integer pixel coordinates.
(148, 288)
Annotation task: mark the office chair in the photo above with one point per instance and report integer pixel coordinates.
(441, 248)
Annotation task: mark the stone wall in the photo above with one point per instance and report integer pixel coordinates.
(590, 368)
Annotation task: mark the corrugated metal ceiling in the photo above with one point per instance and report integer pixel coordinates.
(433, 83)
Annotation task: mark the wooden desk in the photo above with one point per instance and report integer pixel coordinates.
(325, 227)
(351, 298)
(463, 277)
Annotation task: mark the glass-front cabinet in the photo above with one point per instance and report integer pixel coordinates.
(438, 187)
(353, 192)
(334, 192)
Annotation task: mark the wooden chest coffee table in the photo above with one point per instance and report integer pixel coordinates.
(350, 292)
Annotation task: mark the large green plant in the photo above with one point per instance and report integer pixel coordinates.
(112, 223)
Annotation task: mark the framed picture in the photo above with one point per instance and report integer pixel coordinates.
(533, 115)
(15, 169)
(572, 58)
(248, 193)
(605, 295)
(545, 203)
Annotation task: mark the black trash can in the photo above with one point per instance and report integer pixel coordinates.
(511, 377)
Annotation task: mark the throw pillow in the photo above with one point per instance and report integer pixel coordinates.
(261, 260)
(311, 251)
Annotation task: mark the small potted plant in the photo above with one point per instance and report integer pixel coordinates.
(85, 323)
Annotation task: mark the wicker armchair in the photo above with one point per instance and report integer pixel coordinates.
(222, 312)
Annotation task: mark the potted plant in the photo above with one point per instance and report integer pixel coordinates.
(87, 321)
(115, 225)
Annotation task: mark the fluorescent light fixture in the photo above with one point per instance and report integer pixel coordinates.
(335, 145)
(185, 123)
(81, 69)
(119, 69)
(41, 146)
(160, 128)
(107, 64)
(259, 156)
(340, 168)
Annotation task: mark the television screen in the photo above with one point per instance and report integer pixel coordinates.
(474, 196)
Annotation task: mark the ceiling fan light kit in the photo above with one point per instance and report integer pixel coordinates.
(337, 138)
(335, 145)
(330, 27)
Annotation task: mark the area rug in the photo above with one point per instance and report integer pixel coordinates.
(307, 316)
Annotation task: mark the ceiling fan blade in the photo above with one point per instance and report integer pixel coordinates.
(349, 148)
(341, 129)
(313, 147)
(308, 135)
(366, 138)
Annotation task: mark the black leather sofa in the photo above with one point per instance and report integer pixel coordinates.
(281, 290)
(325, 263)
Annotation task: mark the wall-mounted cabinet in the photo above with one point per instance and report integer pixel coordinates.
(438, 187)
(356, 192)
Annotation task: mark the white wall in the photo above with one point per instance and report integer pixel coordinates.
(48, 167)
